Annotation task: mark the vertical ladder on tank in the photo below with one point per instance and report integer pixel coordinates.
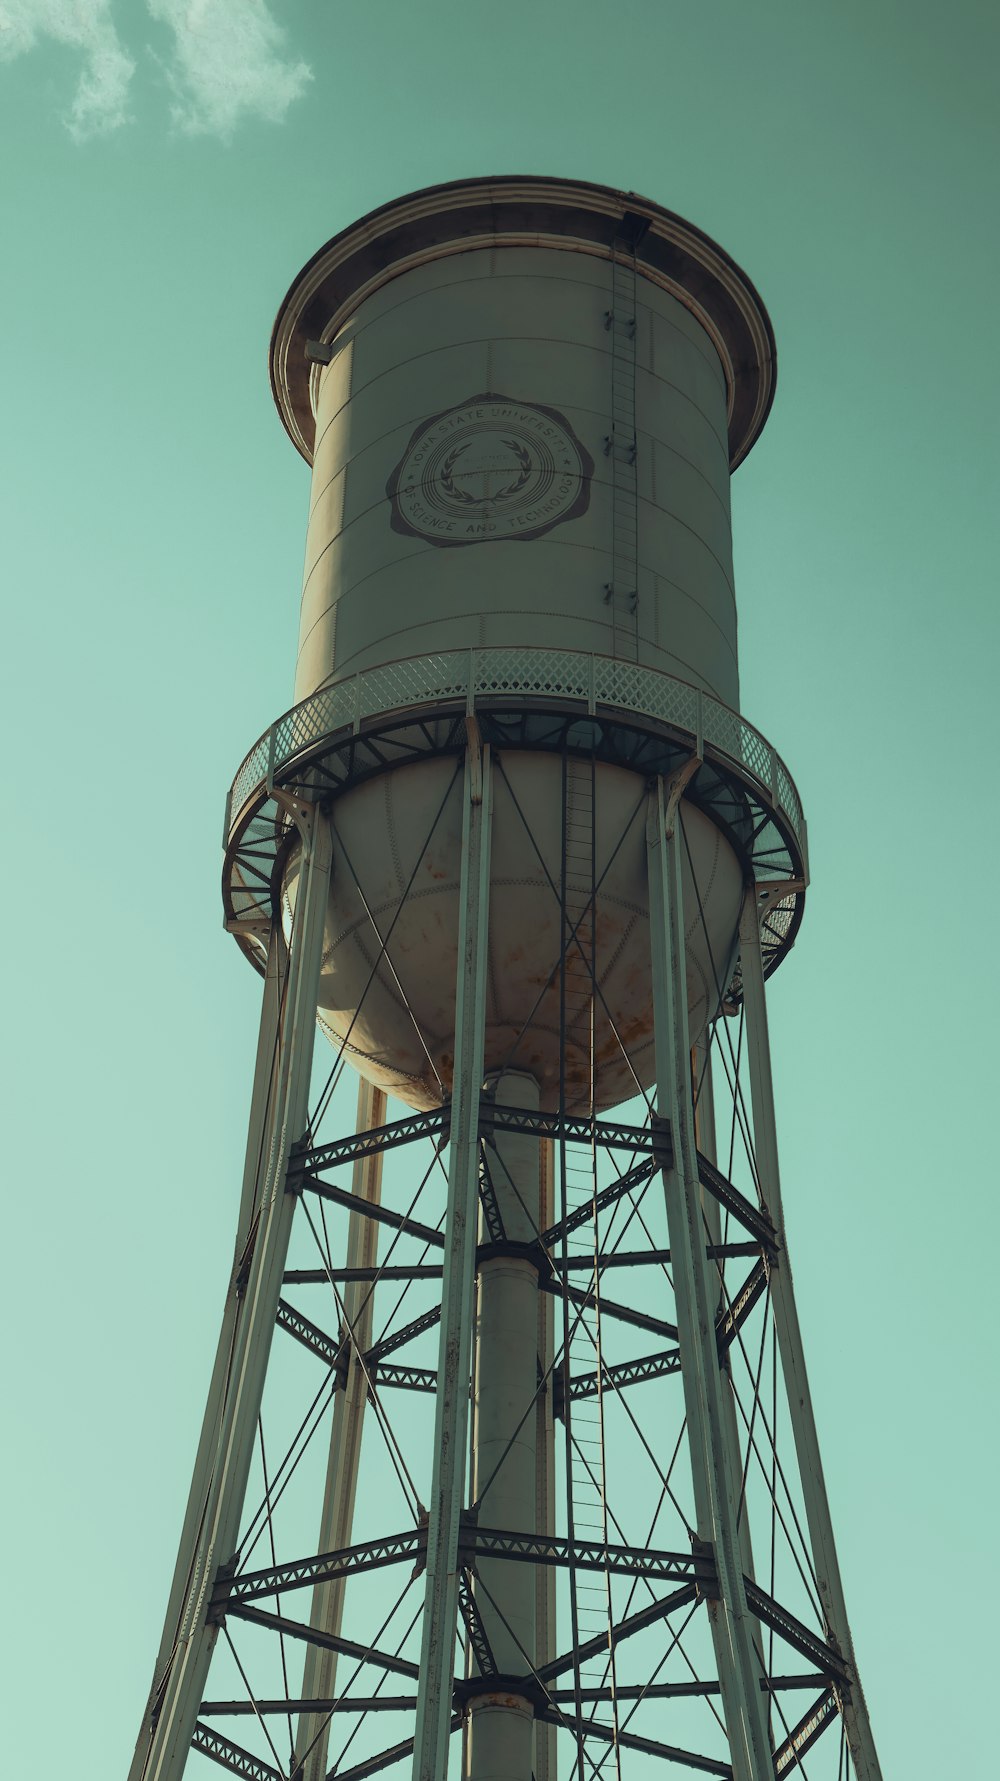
(622, 592)
(585, 1459)
(578, 886)
(585, 1416)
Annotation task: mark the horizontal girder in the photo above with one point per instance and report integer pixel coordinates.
(652, 1142)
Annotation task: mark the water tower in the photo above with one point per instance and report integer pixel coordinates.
(551, 1499)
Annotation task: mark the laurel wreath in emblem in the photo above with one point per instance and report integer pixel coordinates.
(520, 452)
(493, 468)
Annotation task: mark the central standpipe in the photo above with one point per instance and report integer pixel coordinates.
(504, 1456)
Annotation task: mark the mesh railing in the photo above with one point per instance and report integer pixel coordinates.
(531, 673)
(251, 774)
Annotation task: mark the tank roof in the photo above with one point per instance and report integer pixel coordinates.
(526, 211)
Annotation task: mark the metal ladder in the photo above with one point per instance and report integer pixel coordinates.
(622, 592)
(587, 1484)
(586, 1462)
(578, 883)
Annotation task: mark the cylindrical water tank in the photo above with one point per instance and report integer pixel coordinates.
(462, 491)
(522, 400)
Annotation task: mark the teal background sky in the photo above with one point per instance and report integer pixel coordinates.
(166, 169)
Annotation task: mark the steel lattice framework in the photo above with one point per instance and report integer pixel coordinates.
(684, 1575)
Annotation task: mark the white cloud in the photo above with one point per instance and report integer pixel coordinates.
(227, 64)
(100, 103)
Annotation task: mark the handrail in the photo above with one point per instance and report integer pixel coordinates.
(475, 674)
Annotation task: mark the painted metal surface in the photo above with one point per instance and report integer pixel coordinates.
(817, 1508)
(544, 1767)
(169, 1726)
(391, 940)
(593, 686)
(430, 1759)
(522, 400)
(712, 1460)
(469, 464)
(705, 1133)
(581, 219)
(272, 1010)
(336, 1524)
(505, 1460)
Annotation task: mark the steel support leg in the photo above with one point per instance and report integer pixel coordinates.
(437, 1654)
(166, 1734)
(545, 1476)
(272, 1007)
(337, 1519)
(817, 1508)
(732, 1625)
(705, 1131)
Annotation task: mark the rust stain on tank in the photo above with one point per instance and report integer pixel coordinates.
(500, 1698)
(630, 1031)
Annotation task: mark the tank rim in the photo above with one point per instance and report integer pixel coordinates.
(461, 215)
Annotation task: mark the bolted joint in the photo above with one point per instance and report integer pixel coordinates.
(342, 1366)
(663, 1141)
(558, 1388)
(219, 1600)
(533, 1253)
(298, 1163)
(420, 1561)
(706, 1579)
(516, 1692)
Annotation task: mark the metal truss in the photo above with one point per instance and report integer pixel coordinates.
(607, 1134)
(231, 1756)
(387, 1137)
(352, 1561)
(479, 1639)
(712, 1623)
(804, 1736)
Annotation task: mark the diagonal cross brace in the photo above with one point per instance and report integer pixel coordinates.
(795, 1633)
(478, 1636)
(312, 1635)
(803, 1736)
(231, 1756)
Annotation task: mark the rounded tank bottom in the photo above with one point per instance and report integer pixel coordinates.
(568, 875)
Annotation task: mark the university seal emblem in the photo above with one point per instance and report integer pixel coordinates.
(491, 469)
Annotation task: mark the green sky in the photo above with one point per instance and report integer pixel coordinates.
(166, 169)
